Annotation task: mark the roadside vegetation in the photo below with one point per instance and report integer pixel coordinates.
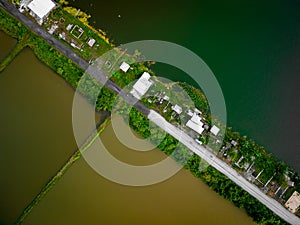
(216, 180)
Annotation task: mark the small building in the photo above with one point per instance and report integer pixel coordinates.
(69, 27)
(166, 98)
(190, 112)
(195, 123)
(214, 130)
(233, 142)
(52, 28)
(177, 109)
(141, 86)
(291, 183)
(75, 46)
(293, 202)
(62, 36)
(206, 127)
(91, 42)
(40, 9)
(124, 67)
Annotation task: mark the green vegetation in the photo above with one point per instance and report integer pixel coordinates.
(79, 32)
(197, 97)
(229, 190)
(216, 180)
(11, 26)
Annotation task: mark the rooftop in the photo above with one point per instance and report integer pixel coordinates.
(214, 130)
(190, 112)
(141, 86)
(41, 7)
(177, 109)
(124, 67)
(91, 42)
(293, 202)
(196, 118)
(195, 124)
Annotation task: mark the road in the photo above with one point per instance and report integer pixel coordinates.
(224, 168)
(185, 139)
(69, 53)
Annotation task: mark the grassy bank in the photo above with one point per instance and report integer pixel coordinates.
(21, 44)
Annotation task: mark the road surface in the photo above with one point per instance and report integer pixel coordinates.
(224, 168)
(69, 53)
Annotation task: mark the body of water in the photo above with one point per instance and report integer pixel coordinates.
(253, 48)
(36, 132)
(37, 138)
(6, 44)
(84, 197)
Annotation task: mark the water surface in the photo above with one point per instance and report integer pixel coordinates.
(84, 197)
(6, 44)
(36, 133)
(253, 48)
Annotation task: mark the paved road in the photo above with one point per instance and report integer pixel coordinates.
(221, 166)
(69, 53)
(157, 119)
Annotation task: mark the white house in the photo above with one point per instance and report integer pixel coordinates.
(91, 42)
(166, 98)
(69, 27)
(40, 9)
(195, 123)
(141, 86)
(124, 67)
(293, 202)
(214, 130)
(177, 109)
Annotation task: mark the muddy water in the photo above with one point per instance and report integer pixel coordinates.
(36, 133)
(85, 197)
(36, 139)
(6, 44)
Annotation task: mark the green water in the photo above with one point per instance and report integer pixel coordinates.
(253, 48)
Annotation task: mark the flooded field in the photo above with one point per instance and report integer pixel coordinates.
(84, 197)
(36, 131)
(6, 44)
